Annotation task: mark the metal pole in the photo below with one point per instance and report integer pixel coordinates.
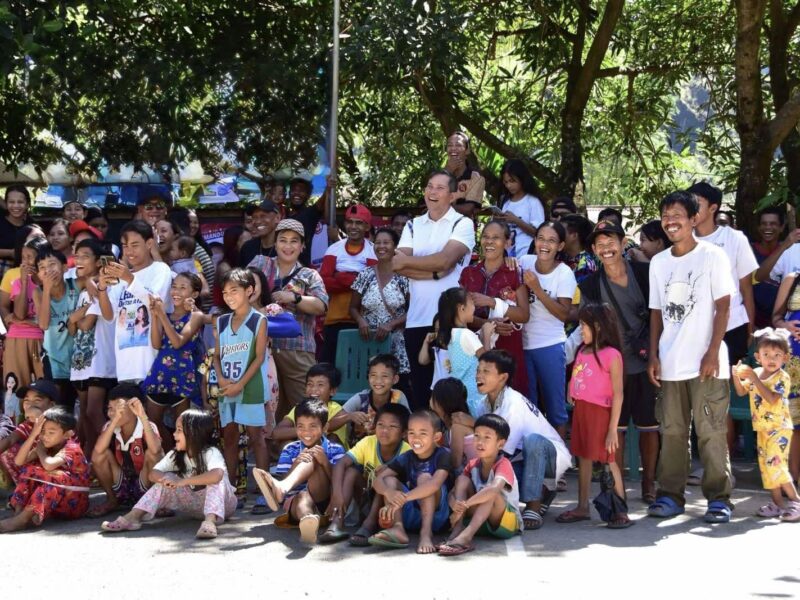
(334, 125)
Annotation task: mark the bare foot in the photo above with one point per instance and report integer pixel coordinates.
(459, 540)
(19, 521)
(426, 545)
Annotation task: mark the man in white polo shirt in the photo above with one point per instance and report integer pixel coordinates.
(433, 250)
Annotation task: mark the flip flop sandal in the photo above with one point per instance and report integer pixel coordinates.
(120, 524)
(532, 517)
(792, 513)
(769, 511)
(455, 549)
(207, 531)
(360, 538)
(284, 521)
(571, 516)
(333, 535)
(664, 508)
(267, 486)
(260, 507)
(309, 526)
(718, 512)
(389, 540)
(619, 521)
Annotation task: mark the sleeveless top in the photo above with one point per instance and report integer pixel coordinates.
(57, 340)
(464, 362)
(237, 350)
(173, 371)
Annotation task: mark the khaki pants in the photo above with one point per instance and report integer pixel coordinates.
(707, 404)
(292, 366)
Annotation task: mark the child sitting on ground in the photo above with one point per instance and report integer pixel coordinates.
(449, 401)
(485, 499)
(53, 473)
(321, 382)
(35, 399)
(768, 387)
(307, 464)
(383, 373)
(191, 478)
(414, 487)
(126, 451)
(355, 473)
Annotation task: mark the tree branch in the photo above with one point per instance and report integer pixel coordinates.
(784, 121)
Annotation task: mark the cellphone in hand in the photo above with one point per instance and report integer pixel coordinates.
(105, 260)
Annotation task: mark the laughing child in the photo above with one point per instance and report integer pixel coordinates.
(486, 495)
(414, 487)
(307, 464)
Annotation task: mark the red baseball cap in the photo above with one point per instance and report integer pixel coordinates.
(77, 226)
(360, 212)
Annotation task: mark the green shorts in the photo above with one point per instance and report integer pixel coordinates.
(509, 526)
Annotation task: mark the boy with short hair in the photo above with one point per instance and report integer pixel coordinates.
(124, 297)
(321, 382)
(54, 473)
(307, 464)
(414, 487)
(35, 398)
(55, 302)
(126, 451)
(536, 450)
(383, 374)
(485, 499)
(355, 473)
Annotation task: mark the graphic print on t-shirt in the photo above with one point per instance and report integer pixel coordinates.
(133, 322)
(679, 298)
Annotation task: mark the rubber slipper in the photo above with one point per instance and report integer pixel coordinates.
(120, 524)
(284, 521)
(455, 549)
(360, 538)
(571, 516)
(619, 521)
(534, 518)
(718, 512)
(664, 508)
(332, 535)
(769, 511)
(260, 507)
(309, 526)
(207, 531)
(389, 540)
(267, 486)
(792, 513)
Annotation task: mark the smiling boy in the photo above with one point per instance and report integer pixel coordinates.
(414, 487)
(485, 499)
(307, 464)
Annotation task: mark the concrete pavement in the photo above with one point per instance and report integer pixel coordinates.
(748, 558)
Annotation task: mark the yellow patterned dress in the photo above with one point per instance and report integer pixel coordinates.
(773, 426)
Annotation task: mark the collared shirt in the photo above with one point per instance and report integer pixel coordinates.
(292, 450)
(424, 236)
(303, 281)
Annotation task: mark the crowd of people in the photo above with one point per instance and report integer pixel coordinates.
(517, 341)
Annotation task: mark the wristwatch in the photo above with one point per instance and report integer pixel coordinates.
(297, 298)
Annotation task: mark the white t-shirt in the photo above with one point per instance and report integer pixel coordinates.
(543, 329)
(131, 319)
(684, 288)
(351, 263)
(743, 264)
(430, 237)
(789, 262)
(524, 419)
(212, 456)
(103, 363)
(530, 210)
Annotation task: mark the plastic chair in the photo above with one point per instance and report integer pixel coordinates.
(352, 359)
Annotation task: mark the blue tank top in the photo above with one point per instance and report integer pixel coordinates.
(237, 351)
(57, 340)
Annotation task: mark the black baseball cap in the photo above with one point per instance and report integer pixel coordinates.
(43, 387)
(125, 391)
(267, 206)
(606, 228)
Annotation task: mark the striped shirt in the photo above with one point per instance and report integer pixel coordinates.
(291, 451)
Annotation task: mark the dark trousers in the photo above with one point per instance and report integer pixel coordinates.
(421, 375)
